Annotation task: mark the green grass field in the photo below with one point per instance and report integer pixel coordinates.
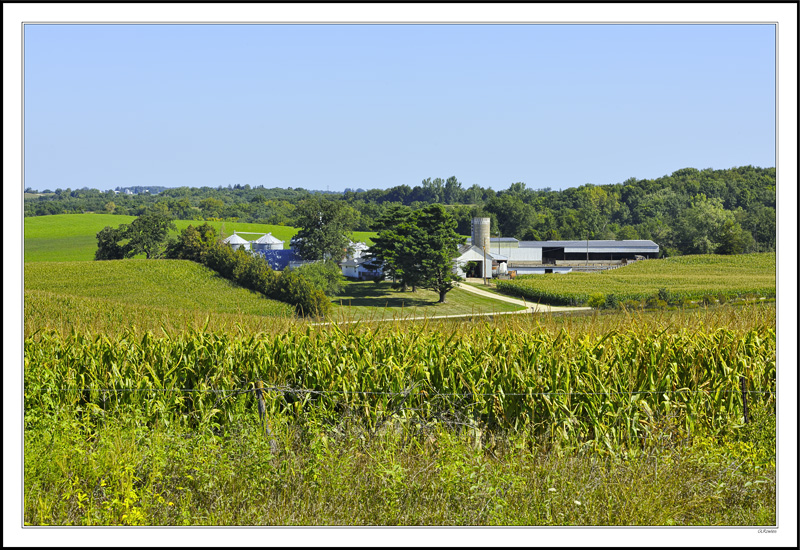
(164, 284)
(368, 300)
(72, 237)
(689, 277)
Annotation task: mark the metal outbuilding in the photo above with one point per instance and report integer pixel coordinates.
(601, 250)
(236, 242)
(268, 242)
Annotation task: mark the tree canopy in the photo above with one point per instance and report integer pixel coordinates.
(325, 227)
(418, 248)
(146, 235)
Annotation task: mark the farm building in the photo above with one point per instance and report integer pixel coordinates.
(278, 259)
(358, 268)
(267, 245)
(356, 265)
(267, 242)
(236, 242)
(541, 257)
(470, 261)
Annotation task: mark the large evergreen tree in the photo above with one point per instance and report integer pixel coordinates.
(393, 249)
(437, 247)
(418, 248)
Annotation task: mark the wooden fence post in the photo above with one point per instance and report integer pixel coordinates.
(262, 414)
(742, 383)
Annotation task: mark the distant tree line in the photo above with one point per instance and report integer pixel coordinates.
(688, 212)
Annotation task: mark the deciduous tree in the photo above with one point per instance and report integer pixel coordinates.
(325, 229)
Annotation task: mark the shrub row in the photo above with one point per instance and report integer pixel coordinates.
(249, 271)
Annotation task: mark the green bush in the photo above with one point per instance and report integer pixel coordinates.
(254, 272)
(596, 301)
(193, 243)
(327, 276)
(307, 299)
(612, 302)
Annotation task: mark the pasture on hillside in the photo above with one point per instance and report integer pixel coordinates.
(683, 277)
(73, 237)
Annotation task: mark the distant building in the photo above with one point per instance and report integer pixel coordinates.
(355, 265)
(267, 242)
(534, 257)
(358, 268)
(236, 242)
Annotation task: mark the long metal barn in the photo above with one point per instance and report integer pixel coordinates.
(484, 256)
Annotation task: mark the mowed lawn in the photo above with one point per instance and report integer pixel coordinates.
(73, 237)
(170, 284)
(372, 301)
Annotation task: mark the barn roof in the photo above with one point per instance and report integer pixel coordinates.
(498, 240)
(625, 245)
(469, 252)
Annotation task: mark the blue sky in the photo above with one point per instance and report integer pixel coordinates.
(374, 106)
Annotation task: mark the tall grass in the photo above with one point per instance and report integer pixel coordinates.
(125, 473)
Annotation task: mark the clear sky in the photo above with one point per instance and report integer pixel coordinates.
(374, 106)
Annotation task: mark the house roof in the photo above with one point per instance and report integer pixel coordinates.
(358, 246)
(467, 252)
(354, 262)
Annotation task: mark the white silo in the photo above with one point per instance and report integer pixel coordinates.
(480, 232)
(481, 239)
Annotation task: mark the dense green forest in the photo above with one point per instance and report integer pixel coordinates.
(688, 212)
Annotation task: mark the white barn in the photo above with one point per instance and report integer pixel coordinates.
(506, 254)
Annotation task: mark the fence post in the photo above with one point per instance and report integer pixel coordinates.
(742, 383)
(262, 414)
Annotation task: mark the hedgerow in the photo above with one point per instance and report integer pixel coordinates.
(250, 271)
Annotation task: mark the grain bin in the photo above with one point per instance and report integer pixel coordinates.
(236, 242)
(267, 242)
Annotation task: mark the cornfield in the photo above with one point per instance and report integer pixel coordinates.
(610, 388)
(685, 278)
